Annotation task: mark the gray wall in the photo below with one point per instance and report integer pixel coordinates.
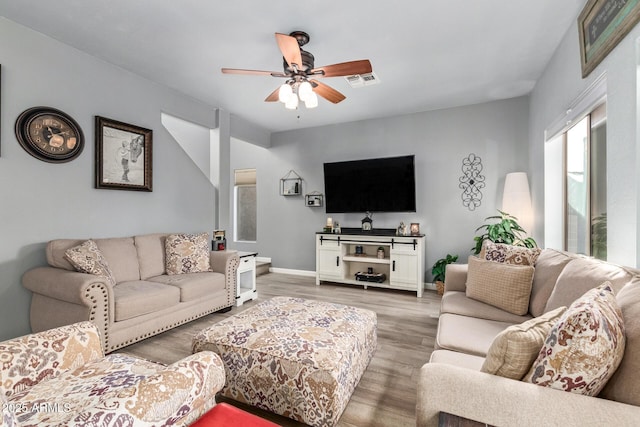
(560, 84)
(43, 201)
(495, 131)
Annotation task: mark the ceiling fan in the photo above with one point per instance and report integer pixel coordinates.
(299, 70)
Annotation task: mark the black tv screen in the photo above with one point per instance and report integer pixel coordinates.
(375, 185)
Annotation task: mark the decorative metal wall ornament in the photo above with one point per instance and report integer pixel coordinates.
(471, 182)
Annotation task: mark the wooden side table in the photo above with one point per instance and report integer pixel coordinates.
(246, 278)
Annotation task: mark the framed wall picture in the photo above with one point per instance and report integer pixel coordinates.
(123, 156)
(601, 26)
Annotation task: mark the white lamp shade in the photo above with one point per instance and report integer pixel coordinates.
(311, 101)
(305, 91)
(292, 102)
(516, 199)
(285, 93)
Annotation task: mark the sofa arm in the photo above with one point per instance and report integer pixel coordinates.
(455, 278)
(63, 285)
(177, 395)
(501, 402)
(27, 360)
(61, 297)
(226, 262)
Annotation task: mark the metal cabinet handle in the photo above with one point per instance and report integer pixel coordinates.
(394, 265)
(338, 261)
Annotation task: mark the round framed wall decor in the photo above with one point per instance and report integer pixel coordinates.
(49, 134)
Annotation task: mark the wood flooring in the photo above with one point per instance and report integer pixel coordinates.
(386, 394)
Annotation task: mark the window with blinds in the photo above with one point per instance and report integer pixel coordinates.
(245, 205)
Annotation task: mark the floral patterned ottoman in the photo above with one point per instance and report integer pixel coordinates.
(295, 357)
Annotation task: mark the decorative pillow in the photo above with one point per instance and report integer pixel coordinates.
(514, 350)
(87, 258)
(505, 286)
(583, 350)
(624, 385)
(509, 254)
(187, 253)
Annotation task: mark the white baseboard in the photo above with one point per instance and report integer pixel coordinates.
(292, 272)
(430, 286)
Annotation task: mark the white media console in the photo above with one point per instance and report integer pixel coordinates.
(339, 257)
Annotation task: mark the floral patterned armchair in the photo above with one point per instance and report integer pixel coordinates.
(61, 377)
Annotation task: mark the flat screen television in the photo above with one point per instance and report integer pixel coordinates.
(375, 185)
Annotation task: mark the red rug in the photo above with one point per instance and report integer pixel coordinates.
(224, 414)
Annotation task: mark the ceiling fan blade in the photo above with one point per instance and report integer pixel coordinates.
(273, 96)
(327, 92)
(253, 72)
(290, 49)
(362, 66)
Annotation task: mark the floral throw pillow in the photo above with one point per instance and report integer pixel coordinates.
(187, 253)
(583, 350)
(509, 254)
(87, 258)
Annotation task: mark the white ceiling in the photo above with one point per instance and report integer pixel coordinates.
(427, 54)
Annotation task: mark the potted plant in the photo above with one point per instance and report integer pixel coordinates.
(439, 269)
(506, 230)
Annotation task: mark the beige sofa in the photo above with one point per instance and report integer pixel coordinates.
(144, 301)
(452, 382)
(61, 377)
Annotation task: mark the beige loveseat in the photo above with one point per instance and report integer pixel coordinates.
(61, 377)
(144, 301)
(453, 383)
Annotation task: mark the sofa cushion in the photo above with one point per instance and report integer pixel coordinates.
(514, 350)
(151, 254)
(87, 258)
(122, 257)
(194, 286)
(139, 297)
(624, 386)
(548, 267)
(584, 348)
(187, 253)
(462, 360)
(582, 274)
(505, 286)
(509, 254)
(467, 334)
(456, 302)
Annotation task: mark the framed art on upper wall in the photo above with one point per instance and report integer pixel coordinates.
(602, 24)
(123, 156)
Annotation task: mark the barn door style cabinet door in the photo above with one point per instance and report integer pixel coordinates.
(404, 267)
(329, 261)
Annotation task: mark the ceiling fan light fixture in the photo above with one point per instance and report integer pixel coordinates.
(285, 93)
(305, 91)
(311, 101)
(292, 102)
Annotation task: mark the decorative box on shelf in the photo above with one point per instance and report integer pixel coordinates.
(371, 277)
